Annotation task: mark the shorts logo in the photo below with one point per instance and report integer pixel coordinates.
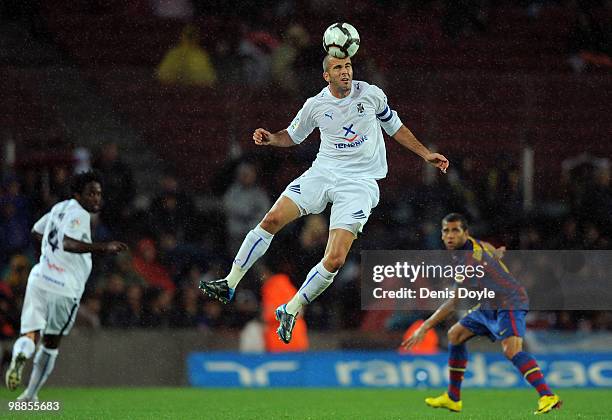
(295, 188)
(329, 115)
(358, 215)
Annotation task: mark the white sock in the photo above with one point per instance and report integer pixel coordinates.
(44, 361)
(255, 244)
(317, 280)
(25, 345)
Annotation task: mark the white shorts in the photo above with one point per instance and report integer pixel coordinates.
(47, 312)
(352, 199)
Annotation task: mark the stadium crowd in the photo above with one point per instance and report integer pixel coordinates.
(174, 243)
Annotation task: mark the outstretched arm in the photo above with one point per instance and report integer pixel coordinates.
(405, 137)
(79, 247)
(281, 138)
(440, 315)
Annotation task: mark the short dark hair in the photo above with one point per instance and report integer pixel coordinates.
(456, 217)
(80, 180)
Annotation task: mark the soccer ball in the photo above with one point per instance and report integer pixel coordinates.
(341, 40)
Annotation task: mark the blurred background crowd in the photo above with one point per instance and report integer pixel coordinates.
(161, 98)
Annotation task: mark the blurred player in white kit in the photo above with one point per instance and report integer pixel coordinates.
(56, 283)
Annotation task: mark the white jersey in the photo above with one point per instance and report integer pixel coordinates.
(352, 143)
(58, 271)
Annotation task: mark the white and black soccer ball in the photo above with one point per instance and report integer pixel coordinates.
(341, 40)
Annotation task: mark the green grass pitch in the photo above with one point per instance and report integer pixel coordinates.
(190, 403)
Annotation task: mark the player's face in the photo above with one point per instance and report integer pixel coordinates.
(453, 235)
(339, 74)
(91, 197)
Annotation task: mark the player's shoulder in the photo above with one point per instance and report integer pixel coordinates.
(472, 243)
(370, 90)
(321, 96)
(316, 100)
(60, 205)
(76, 210)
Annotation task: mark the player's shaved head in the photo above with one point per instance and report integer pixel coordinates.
(326, 62)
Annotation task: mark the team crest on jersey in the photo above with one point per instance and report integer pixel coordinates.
(360, 108)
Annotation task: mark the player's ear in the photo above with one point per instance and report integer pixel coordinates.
(326, 76)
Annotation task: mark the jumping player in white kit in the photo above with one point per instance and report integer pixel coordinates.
(56, 283)
(352, 157)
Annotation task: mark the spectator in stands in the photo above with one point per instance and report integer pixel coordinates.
(60, 184)
(9, 320)
(531, 238)
(284, 59)
(125, 267)
(15, 220)
(135, 306)
(212, 312)
(312, 242)
(186, 313)
(33, 192)
(114, 305)
(588, 189)
(502, 195)
(118, 186)
(187, 64)
(148, 267)
(255, 49)
(245, 203)
(88, 315)
(172, 209)
(245, 309)
(593, 239)
(16, 276)
(159, 310)
(568, 238)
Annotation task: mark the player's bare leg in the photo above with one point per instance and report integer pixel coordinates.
(528, 366)
(458, 335)
(318, 279)
(255, 245)
(44, 362)
(23, 349)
